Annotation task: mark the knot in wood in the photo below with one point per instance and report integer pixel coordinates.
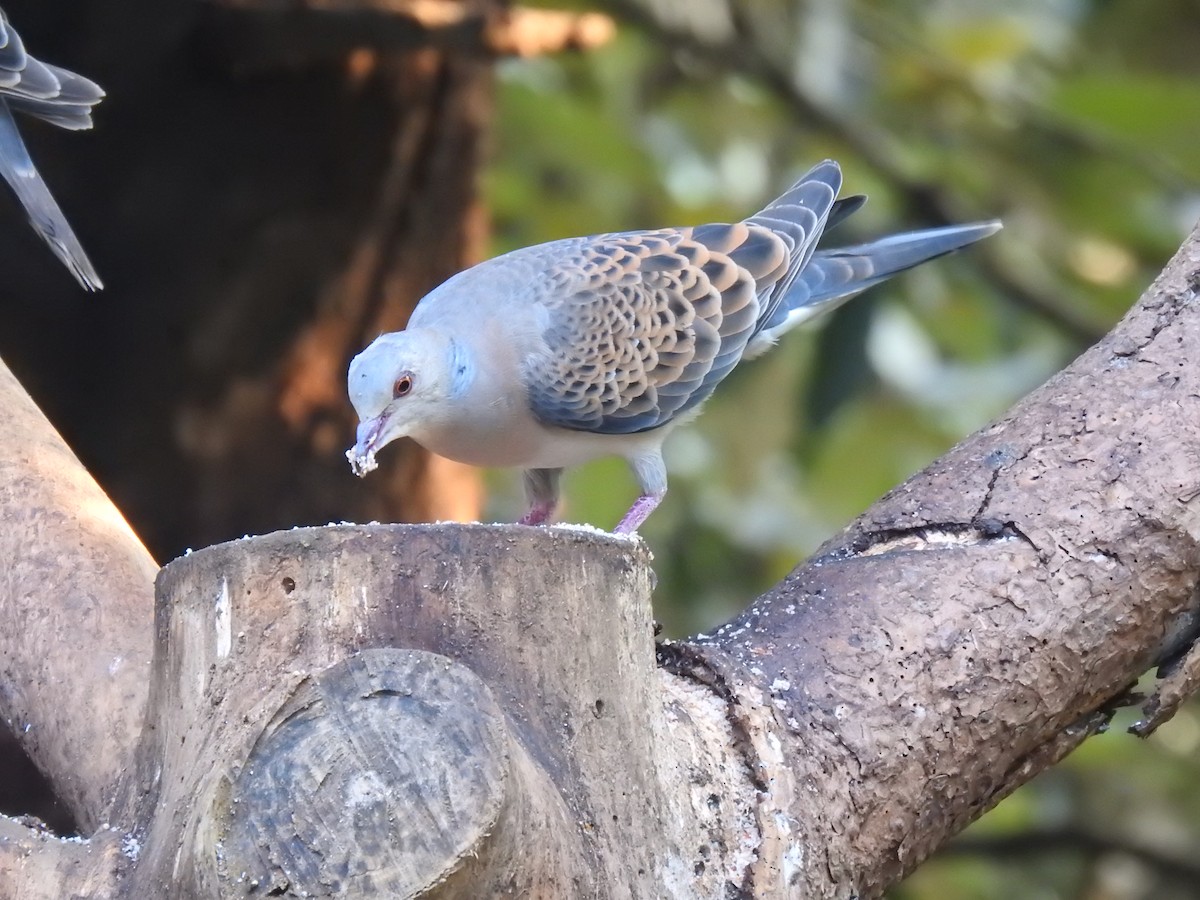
(375, 778)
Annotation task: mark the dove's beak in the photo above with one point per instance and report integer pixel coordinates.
(362, 454)
(368, 433)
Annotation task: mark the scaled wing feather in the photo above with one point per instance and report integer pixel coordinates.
(644, 325)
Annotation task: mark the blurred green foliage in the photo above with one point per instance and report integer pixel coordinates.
(1076, 122)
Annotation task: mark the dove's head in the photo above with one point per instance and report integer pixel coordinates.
(400, 387)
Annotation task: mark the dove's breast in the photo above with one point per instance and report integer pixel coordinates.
(527, 444)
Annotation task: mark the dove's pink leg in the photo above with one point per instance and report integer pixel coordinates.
(539, 513)
(541, 490)
(638, 513)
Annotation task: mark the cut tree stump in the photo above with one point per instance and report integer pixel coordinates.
(296, 750)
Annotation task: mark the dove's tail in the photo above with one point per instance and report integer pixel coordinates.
(47, 219)
(834, 276)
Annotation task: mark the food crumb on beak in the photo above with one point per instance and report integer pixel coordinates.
(362, 460)
(362, 455)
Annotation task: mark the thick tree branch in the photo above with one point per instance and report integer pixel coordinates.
(982, 619)
(76, 589)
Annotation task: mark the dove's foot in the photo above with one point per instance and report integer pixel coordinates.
(641, 509)
(539, 514)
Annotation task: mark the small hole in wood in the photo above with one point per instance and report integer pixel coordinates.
(289, 584)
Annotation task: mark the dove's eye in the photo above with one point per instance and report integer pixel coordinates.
(403, 386)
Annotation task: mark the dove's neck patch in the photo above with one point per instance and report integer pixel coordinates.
(462, 369)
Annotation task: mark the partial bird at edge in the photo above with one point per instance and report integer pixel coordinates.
(62, 98)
